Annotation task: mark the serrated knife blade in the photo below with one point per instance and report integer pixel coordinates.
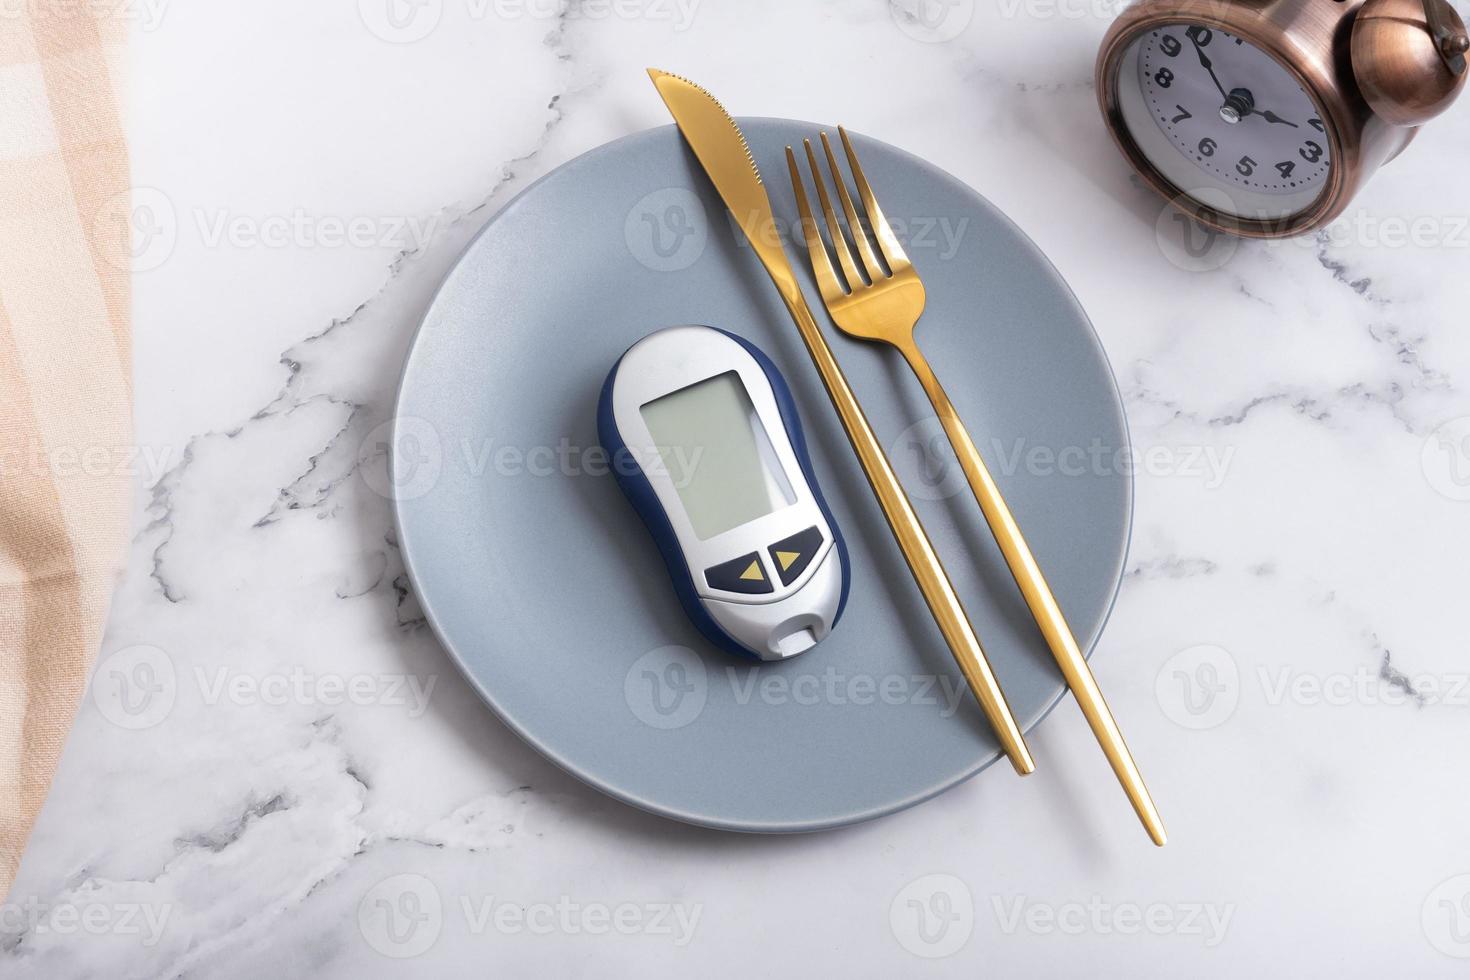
(722, 151)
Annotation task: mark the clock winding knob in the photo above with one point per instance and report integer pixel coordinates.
(1409, 58)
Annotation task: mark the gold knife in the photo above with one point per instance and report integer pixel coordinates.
(722, 151)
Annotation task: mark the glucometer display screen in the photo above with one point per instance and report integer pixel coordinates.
(718, 454)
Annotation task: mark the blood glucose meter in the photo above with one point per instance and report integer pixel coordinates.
(704, 440)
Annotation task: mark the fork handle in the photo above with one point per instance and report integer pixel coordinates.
(918, 552)
(1039, 598)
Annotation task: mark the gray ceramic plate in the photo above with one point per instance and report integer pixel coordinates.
(541, 582)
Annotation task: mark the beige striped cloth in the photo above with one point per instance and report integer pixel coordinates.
(65, 378)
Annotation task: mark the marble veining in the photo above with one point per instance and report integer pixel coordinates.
(1295, 577)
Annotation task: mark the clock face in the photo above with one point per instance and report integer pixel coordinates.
(1224, 121)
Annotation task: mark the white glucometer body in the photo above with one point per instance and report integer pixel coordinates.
(704, 440)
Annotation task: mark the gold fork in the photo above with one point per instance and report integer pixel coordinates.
(885, 306)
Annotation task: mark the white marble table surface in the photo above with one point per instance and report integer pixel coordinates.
(303, 772)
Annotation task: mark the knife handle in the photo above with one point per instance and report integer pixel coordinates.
(918, 552)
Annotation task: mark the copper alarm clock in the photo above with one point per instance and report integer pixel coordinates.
(1265, 117)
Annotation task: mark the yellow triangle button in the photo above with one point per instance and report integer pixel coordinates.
(753, 573)
(787, 558)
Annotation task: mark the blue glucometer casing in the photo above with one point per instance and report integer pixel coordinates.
(704, 440)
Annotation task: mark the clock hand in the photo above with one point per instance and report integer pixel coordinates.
(1271, 117)
(1209, 65)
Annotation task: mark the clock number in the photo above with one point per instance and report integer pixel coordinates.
(1317, 125)
(1171, 45)
(1311, 152)
(1246, 166)
(1165, 78)
(1201, 36)
(1207, 146)
(1183, 115)
(1285, 168)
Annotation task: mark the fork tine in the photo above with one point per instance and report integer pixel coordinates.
(827, 280)
(870, 261)
(887, 241)
(839, 243)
